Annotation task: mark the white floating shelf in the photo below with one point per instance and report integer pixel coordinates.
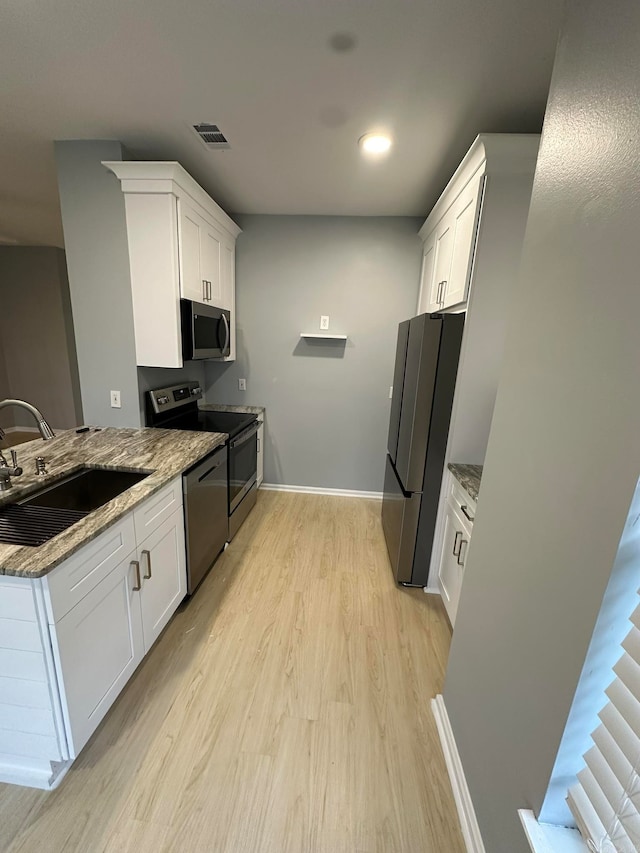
(323, 336)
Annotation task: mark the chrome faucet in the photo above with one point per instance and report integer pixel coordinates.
(45, 430)
(7, 472)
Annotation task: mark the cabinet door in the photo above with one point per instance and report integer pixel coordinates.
(442, 262)
(98, 644)
(210, 263)
(466, 209)
(164, 573)
(426, 300)
(451, 571)
(193, 248)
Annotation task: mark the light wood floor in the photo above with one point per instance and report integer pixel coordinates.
(285, 708)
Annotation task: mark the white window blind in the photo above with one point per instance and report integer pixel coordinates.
(606, 800)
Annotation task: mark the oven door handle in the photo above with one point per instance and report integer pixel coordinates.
(245, 436)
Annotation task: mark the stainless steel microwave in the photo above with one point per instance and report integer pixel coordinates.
(206, 331)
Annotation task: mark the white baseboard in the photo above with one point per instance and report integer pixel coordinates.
(34, 773)
(464, 804)
(21, 429)
(313, 490)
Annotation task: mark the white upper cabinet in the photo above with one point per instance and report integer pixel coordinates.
(464, 221)
(452, 229)
(449, 248)
(190, 238)
(181, 245)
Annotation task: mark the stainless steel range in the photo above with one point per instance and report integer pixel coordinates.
(176, 407)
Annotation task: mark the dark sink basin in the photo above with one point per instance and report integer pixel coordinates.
(85, 490)
(42, 516)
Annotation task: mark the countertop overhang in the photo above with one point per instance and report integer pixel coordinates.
(163, 454)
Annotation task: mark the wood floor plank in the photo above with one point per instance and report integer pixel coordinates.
(286, 707)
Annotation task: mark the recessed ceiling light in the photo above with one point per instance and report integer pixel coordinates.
(375, 143)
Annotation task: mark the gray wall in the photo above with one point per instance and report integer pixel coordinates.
(38, 345)
(8, 418)
(327, 405)
(161, 377)
(94, 223)
(563, 455)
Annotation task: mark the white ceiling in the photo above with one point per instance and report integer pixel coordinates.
(433, 72)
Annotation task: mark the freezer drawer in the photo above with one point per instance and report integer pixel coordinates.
(400, 513)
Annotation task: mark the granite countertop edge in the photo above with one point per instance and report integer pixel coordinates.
(162, 454)
(469, 477)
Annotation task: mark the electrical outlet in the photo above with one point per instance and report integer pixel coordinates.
(324, 323)
(242, 384)
(115, 400)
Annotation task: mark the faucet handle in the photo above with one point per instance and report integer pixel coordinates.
(17, 470)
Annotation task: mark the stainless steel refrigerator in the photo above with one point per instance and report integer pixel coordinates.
(423, 384)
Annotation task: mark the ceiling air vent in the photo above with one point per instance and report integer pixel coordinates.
(211, 136)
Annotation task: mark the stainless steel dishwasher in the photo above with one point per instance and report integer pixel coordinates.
(205, 514)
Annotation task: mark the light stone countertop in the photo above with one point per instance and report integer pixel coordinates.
(221, 407)
(469, 477)
(162, 452)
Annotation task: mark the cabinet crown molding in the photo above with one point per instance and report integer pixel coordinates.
(490, 154)
(168, 176)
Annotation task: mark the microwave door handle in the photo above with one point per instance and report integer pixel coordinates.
(227, 337)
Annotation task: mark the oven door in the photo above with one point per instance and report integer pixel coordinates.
(243, 464)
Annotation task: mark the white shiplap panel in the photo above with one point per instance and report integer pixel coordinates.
(19, 634)
(28, 694)
(15, 663)
(30, 745)
(35, 720)
(16, 599)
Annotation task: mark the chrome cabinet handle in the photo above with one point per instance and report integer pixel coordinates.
(204, 290)
(147, 554)
(461, 562)
(463, 507)
(438, 293)
(444, 287)
(209, 291)
(258, 445)
(138, 584)
(455, 543)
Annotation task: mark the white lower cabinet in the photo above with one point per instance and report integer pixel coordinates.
(89, 623)
(458, 525)
(455, 544)
(164, 576)
(98, 645)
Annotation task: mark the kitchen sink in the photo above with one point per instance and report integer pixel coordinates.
(85, 490)
(42, 516)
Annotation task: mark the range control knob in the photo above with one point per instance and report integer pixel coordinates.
(195, 391)
(162, 401)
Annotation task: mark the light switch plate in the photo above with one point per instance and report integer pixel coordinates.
(115, 400)
(242, 384)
